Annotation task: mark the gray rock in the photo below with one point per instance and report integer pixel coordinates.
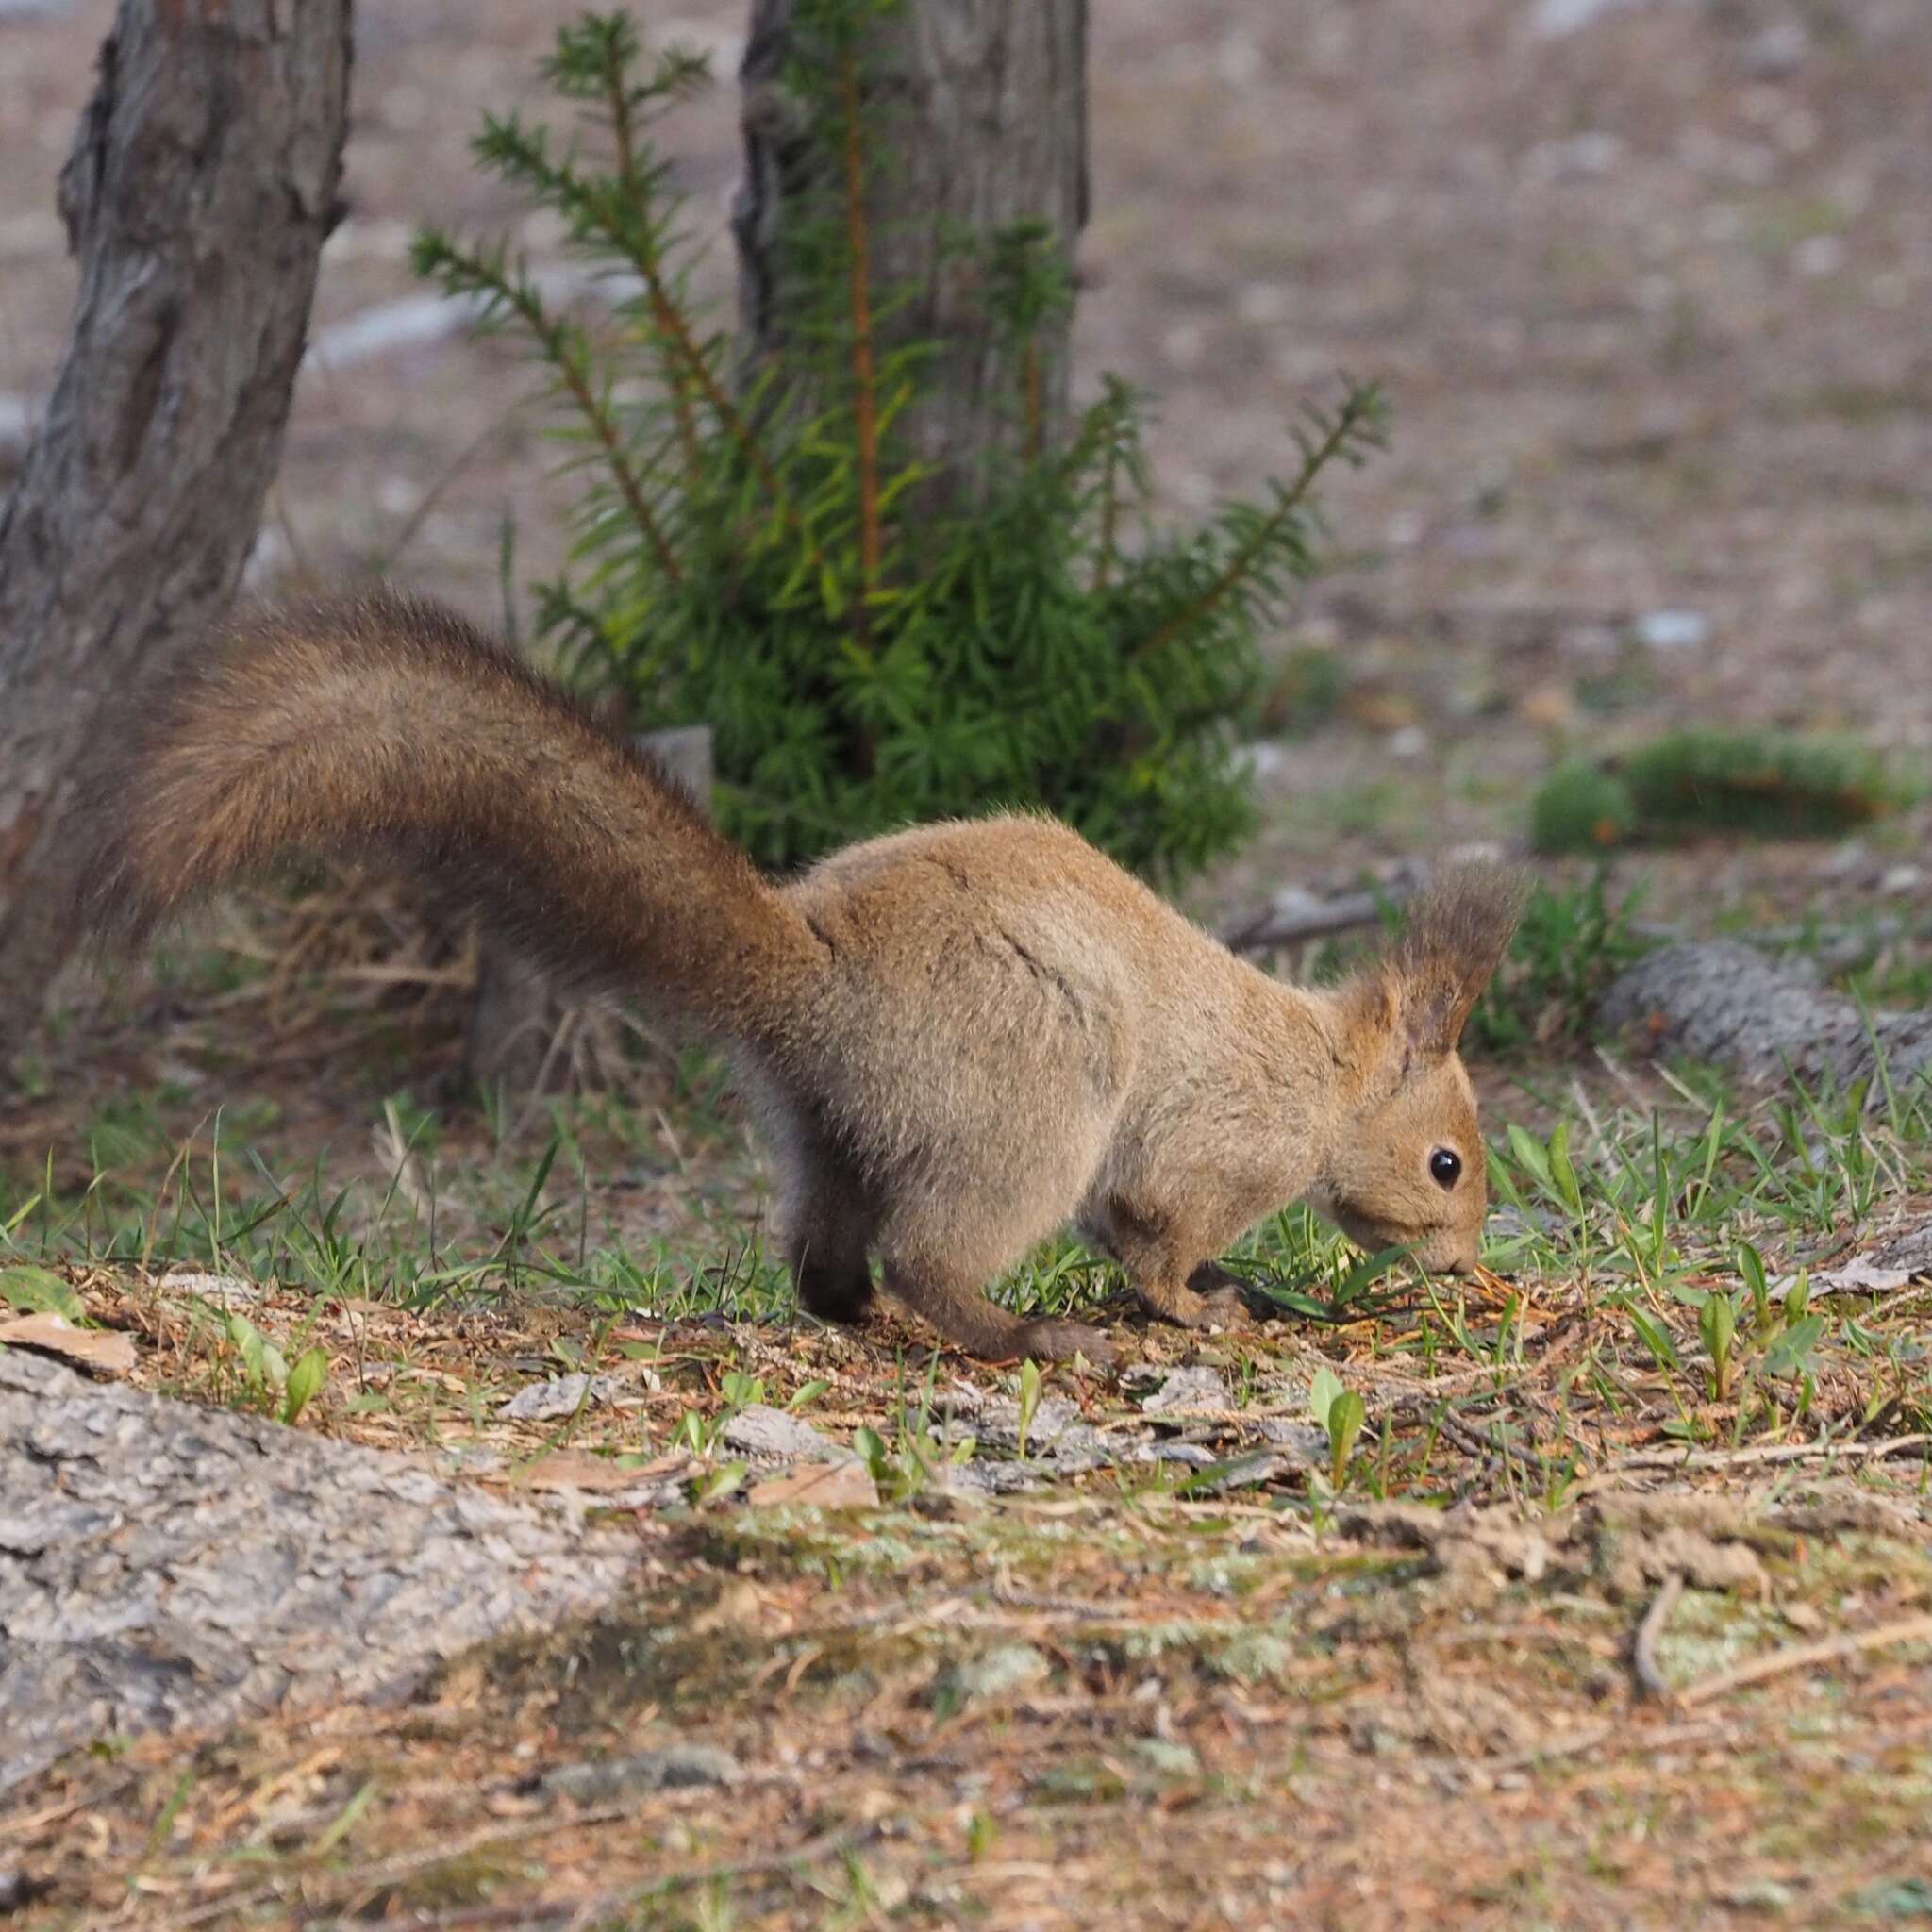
(1778, 51)
(1577, 156)
(1189, 1389)
(228, 1289)
(1302, 1442)
(1168, 1760)
(1906, 1258)
(1010, 1667)
(1555, 20)
(675, 1767)
(771, 1435)
(1239, 1471)
(1672, 630)
(544, 1402)
(990, 1479)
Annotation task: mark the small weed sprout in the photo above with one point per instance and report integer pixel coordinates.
(1029, 1402)
(917, 1458)
(1717, 1327)
(304, 1383)
(1339, 1412)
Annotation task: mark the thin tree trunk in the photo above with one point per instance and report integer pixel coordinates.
(202, 183)
(976, 117)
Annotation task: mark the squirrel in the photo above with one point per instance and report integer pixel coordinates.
(955, 1039)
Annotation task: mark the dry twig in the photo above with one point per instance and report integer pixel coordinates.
(1801, 1657)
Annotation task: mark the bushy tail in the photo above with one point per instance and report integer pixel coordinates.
(391, 729)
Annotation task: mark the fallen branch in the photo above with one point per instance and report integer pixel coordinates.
(1295, 917)
(1801, 1657)
(1718, 1000)
(1651, 1681)
(1778, 1452)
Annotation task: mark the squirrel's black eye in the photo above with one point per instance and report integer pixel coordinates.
(1445, 1168)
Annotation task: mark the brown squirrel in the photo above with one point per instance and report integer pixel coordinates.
(956, 1038)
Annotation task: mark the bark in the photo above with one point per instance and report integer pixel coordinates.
(977, 117)
(1722, 1002)
(163, 1566)
(197, 196)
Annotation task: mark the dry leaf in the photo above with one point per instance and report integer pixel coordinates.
(105, 1351)
(570, 1469)
(828, 1485)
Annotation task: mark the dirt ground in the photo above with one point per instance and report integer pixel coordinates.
(1091, 1673)
(1650, 301)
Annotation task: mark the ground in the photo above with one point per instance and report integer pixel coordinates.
(1649, 300)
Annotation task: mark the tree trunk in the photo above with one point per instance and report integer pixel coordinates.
(201, 185)
(976, 117)
(168, 1567)
(1718, 1000)
(976, 112)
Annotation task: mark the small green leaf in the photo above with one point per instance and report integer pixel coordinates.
(304, 1383)
(37, 1291)
(1346, 1414)
(741, 1391)
(1789, 1353)
(1751, 1266)
(808, 1393)
(1529, 1154)
(1296, 1304)
(1716, 1324)
(1656, 1338)
(871, 1449)
(250, 1346)
(1562, 1173)
(1029, 1402)
(718, 1483)
(1322, 1392)
(1358, 1277)
(1798, 1296)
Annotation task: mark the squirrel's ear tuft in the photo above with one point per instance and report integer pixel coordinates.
(1458, 929)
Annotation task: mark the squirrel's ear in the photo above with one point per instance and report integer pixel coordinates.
(1458, 929)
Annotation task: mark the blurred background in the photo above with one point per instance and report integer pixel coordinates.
(1646, 283)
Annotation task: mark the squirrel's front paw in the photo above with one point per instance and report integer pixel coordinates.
(1220, 1307)
(1060, 1342)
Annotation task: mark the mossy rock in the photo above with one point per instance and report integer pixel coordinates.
(1581, 807)
(1755, 784)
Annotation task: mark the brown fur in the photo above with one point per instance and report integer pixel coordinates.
(957, 1038)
